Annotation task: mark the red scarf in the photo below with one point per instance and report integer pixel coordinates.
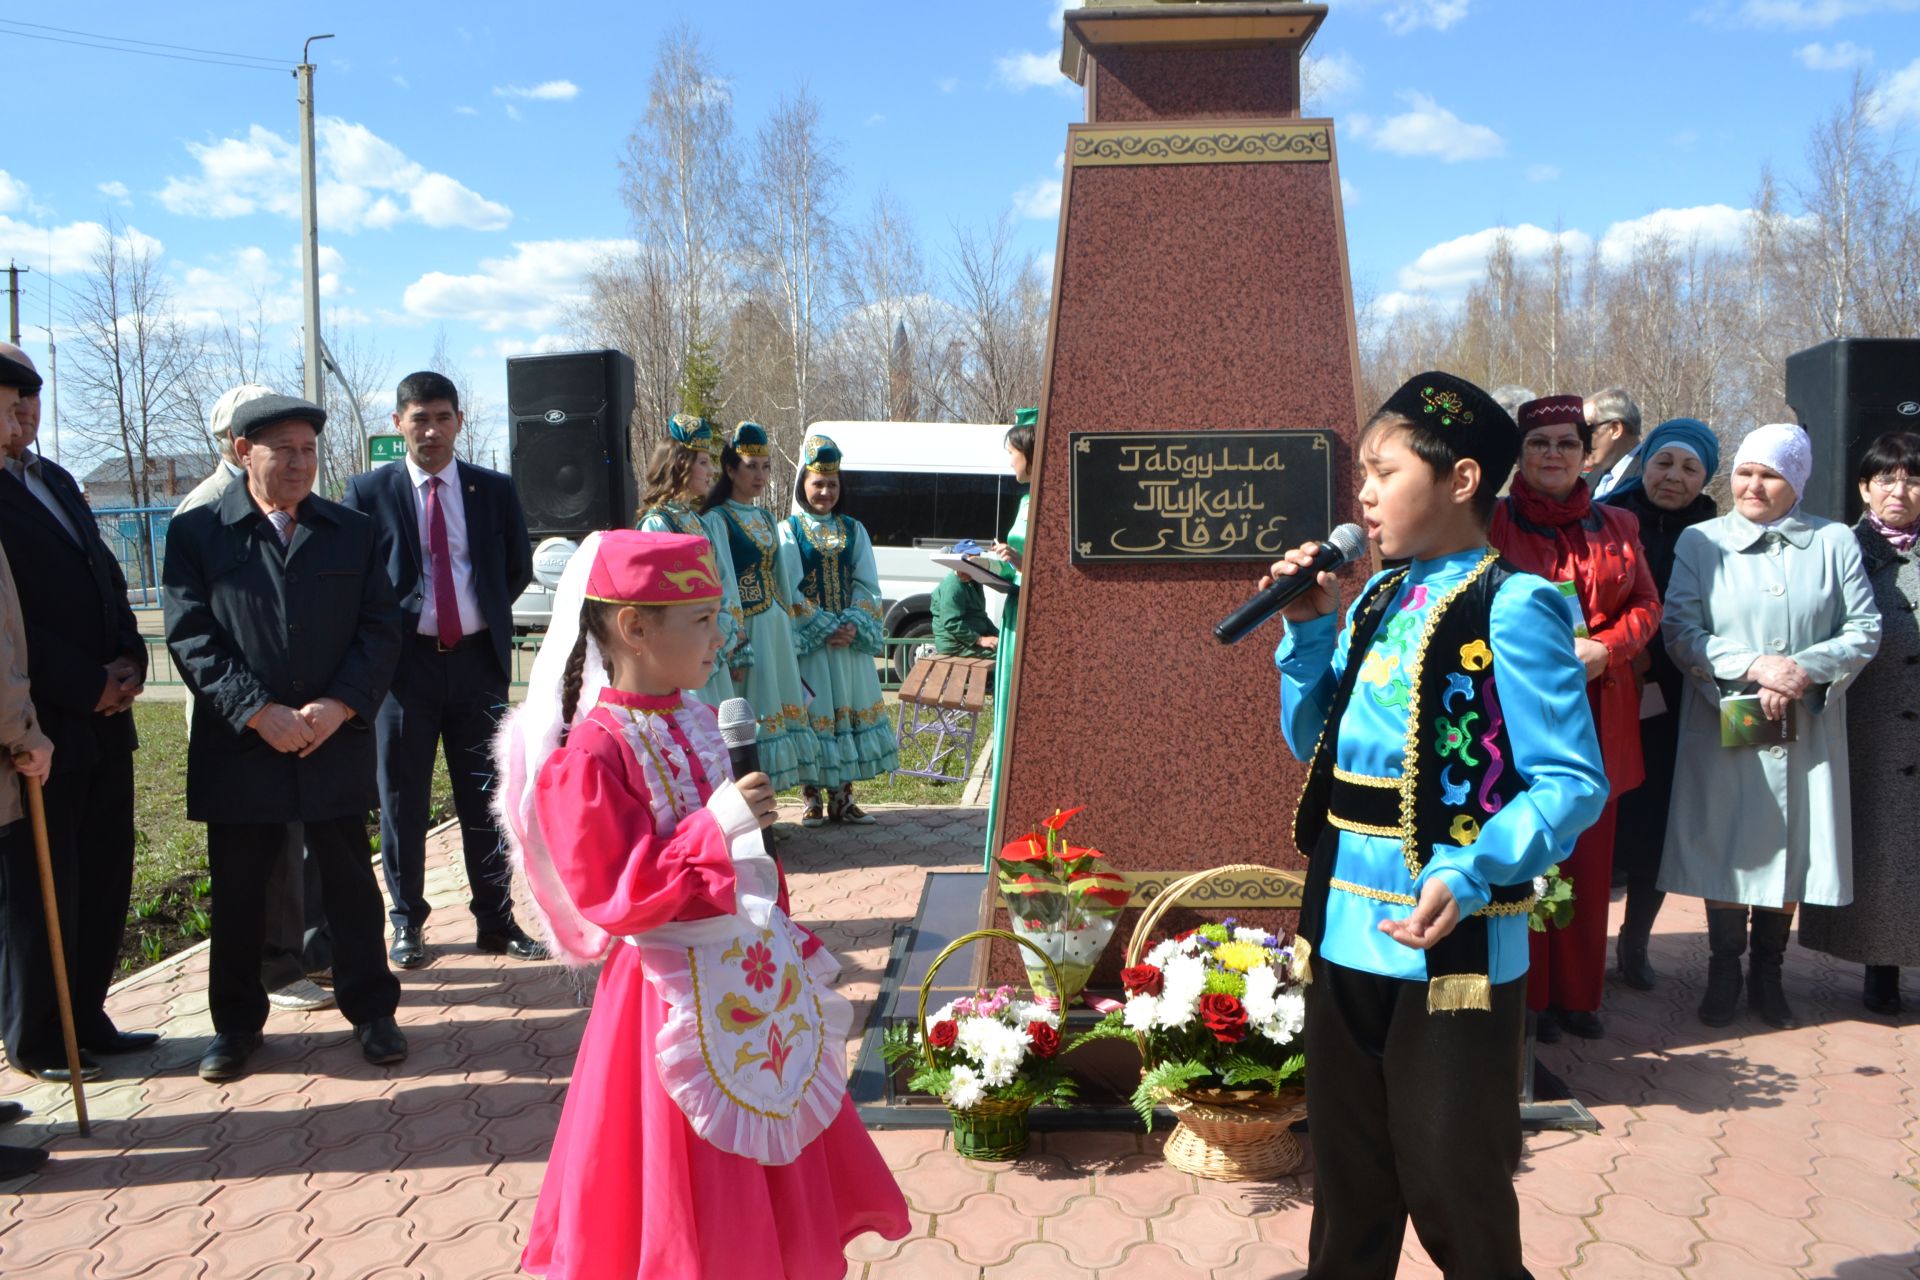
(1552, 513)
(1563, 540)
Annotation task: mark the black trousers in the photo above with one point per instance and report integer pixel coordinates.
(297, 942)
(454, 698)
(241, 858)
(90, 834)
(1411, 1114)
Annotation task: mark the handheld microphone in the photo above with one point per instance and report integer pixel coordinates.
(740, 729)
(1342, 545)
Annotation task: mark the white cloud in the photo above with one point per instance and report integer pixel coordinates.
(513, 112)
(1684, 139)
(1797, 14)
(364, 181)
(1349, 194)
(1429, 129)
(64, 250)
(1032, 71)
(1057, 19)
(462, 110)
(947, 84)
(1041, 198)
(1412, 15)
(1838, 57)
(115, 191)
(1543, 173)
(1896, 101)
(875, 118)
(1707, 225)
(536, 288)
(550, 91)
(399, 80)
(1454, 264)
(540, 344)
(1043, 266)
(14, 194)
(1329, 78)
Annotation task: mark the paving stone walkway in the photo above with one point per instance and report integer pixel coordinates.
(1744, 1153)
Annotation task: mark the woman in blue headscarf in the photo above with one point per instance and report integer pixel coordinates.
(1681, 456)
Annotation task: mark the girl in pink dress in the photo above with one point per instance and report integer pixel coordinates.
(707, 1131)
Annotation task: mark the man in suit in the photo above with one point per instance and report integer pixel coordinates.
(456, 547)
(282, 621)
(87, 663)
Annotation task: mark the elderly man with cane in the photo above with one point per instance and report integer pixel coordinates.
(282, 620)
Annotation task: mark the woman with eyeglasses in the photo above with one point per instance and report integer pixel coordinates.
(1883, 739)
(1549, 525)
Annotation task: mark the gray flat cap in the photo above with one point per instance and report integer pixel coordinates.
(255, 416)
(14, 373)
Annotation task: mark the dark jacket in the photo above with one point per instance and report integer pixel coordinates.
(1660, 529)
(496, 539)
(249, 624)
(73, 598)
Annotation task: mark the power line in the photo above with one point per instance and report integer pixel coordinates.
(150, 53)
(155, 44)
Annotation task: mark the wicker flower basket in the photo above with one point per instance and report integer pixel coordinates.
(1233, 1135)
(992, 1129)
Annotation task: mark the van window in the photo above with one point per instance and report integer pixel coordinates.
(904, 508)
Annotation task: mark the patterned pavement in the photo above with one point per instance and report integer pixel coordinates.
(1742, 1153)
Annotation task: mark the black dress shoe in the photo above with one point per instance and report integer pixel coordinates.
(122, 1042)
(1546, 1027)
(56, 1073)
(512, 941)
(226, 1058)
(1581, 1022)
(15, 1161)
(381, 1041)
(408, 950)
(11, 1111)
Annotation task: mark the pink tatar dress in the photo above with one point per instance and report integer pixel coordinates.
(632, 1190)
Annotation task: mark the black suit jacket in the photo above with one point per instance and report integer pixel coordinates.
(249, 624)
(497, 541)
(73, 599)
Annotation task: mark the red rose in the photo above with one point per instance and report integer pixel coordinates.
(1141, 980)
(1044, 1039)
(943, 1034)
(1225, 1016)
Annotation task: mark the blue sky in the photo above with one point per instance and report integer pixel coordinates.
(471, 158)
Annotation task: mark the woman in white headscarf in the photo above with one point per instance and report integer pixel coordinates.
(1769, 602)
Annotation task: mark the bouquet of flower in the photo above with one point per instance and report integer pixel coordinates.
(1217, 1007)
(1059, 899)
(987, 1047)
(1553, 901)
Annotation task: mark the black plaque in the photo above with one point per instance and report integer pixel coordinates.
(1198, 495)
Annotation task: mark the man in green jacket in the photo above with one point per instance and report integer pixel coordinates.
(961, 627)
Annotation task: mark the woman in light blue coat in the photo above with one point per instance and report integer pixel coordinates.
(1765, 600)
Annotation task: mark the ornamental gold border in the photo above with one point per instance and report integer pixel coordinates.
(1267, 888)
(1202, 144)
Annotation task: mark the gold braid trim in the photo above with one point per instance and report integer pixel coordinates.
(1459, 992)
(1330, 730)
(1363, 829)
(1410, 768)
(1492, 909)
(1364, 780)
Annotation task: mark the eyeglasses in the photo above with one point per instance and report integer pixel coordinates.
(1888, 483)
(1540, 448)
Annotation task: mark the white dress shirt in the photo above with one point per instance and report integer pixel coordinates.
(453, 510)
(26, 469)
(1606, 484)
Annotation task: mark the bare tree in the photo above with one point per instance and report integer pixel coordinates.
(894, 328)
(630, 307)
(360, 375)
(479, 440)
(1002, 304)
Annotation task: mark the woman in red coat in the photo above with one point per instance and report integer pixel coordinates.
(1551, 527)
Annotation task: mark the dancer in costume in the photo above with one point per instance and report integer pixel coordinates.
(679, 478)
(1019, 444)
(772, 684)
(640, 849)
(1453, 760)
(840, 630)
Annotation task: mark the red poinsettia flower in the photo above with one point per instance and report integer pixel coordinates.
(1028, 848)
(1059, 819)
(758, 966)
(941, 1035)
(1225, 1016)
(1044, 1039)
(1142, 980)
(1074, 853)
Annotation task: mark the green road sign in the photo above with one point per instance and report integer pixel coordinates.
(386, 449)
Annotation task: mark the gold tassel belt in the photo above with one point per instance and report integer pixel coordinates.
(1493, 910)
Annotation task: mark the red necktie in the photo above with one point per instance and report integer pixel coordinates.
(446, 605)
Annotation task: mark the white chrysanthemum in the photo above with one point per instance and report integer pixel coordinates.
(988, 1040)
(964, 1089)
(1141, 1012)
(1163, 952)
(1262, 985)
(1289, 1017)
(941, 1014)
(1258, 937)
(1021, 1012)
(1185, 981)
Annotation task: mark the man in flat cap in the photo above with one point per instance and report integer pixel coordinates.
(86, 662)
(283, 623)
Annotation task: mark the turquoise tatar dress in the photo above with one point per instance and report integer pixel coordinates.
(839, 583)
(735, 651)
(788, 751)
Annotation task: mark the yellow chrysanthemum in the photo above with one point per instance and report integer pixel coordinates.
(1242, 956)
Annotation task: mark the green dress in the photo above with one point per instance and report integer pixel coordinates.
(837, 583)
(960, 618)
(735, 650)
(1003, 672)
(788, 750)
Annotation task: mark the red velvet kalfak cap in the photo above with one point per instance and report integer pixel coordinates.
(1550, 411)
(653, 569)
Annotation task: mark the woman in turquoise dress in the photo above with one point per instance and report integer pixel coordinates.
(840, 630)
(679, 477)
(1020, 457)
(788, 751)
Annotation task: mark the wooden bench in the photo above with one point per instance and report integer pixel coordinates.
(942, 698)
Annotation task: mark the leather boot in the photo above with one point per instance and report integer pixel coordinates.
(1881, 992)
(1643, 904)
(1765, 996)
(1727, 938)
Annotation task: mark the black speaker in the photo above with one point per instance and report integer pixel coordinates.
(1847, 393)
(567, 429)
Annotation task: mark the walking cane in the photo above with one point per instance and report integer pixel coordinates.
(37, 810)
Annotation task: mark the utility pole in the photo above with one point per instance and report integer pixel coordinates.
(313, 372)
(13, 302)
(53, 391)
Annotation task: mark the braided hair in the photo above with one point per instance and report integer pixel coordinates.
(596, 620)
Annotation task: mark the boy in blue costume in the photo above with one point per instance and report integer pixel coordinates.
(1453, 761)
